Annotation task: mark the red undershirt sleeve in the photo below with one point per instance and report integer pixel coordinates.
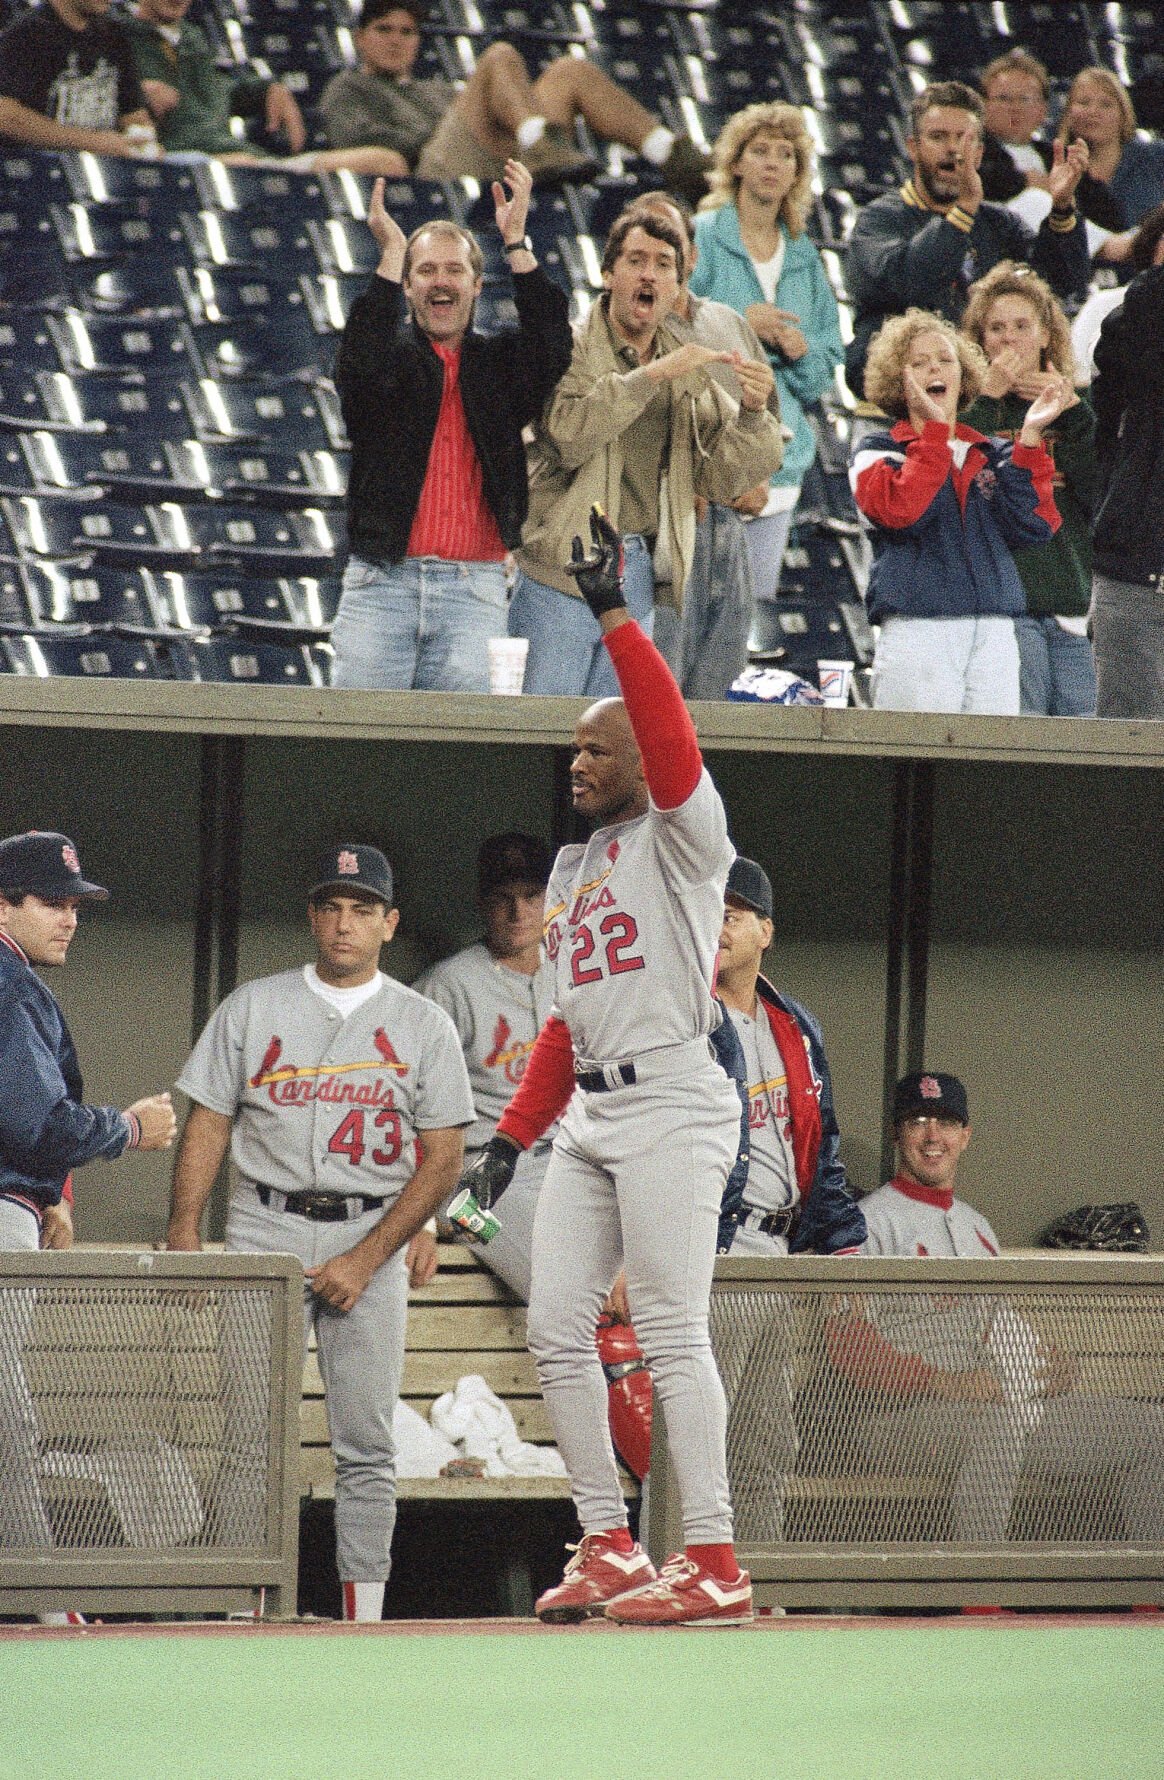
(663, 728)
(545, 1089)
(862, 1353)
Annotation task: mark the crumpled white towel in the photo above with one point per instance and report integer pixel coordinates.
(420, 1449)
(483, 1428)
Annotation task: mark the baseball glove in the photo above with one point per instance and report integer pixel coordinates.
(1120, 1229)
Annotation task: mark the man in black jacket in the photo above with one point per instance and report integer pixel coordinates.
(924, 246)
(438, 489)
(1128, 538)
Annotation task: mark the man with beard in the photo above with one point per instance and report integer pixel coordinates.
(924, 245)
(435, 411)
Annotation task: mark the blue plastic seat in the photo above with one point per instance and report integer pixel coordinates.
(128, 467)
(293, 416)
(100, 656)
(412, 202)
(247, 238)
(121, 343)
(242, 660)
(71, 528)
(274, 189)
(99, 597)
(139, 287)
(275, 478)
(278, 345)
(150, 406)
(292, 608)
(27, 341)
(157, 187)
(114, 231)
(33, 270)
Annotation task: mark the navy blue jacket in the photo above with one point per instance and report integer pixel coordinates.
(830, 1218)
(45, 1131)
(943, 534)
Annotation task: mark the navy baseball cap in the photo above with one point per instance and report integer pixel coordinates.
(352, 867)
(750, 883)
(929, 1092)
(43, 864)
(512, 859)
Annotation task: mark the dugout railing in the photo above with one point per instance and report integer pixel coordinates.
(149, 1432)
(932, 1432)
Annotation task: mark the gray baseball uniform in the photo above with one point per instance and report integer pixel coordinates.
(498, 1014)
(335, 1105)
(638, 1168)
(985, 1447)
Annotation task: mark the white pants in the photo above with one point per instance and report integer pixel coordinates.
(636, 1178)
(947, 664)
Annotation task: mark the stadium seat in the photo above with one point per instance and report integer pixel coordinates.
(293, 196)
(222, 659)
(159, 187)
(95, 657)
(138, 287)
(34, 180)
(121, 343)
(288, 608)
(297, 417)
(113, 231)
(101, 598)
(26, 341)
(412, 201)
(33, 268)
(151, 406)
(247, 238)
(120, 466)
(69, 527)
(278, 345)
(274, 478)
(234, 293)
(796, 634)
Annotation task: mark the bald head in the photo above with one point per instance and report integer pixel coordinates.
(606, 771)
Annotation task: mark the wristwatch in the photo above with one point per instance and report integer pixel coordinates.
(518, 246)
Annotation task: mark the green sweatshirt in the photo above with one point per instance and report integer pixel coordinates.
(1056, 577)
(201, 119)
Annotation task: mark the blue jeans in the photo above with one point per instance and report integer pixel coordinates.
(767, 540)
(422, 623)
(566, 655)
(707, 645)
(1056, 669)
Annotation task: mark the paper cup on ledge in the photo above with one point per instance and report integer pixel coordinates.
(507, 663)
(834, 679)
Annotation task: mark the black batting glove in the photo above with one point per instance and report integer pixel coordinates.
(488, 1177)
(599, 574)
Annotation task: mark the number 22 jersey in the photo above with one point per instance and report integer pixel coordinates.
(633, 920)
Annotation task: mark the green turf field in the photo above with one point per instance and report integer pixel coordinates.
(825, 1701)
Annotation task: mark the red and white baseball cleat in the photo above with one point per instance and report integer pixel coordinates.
(685, 1594)
(597, 1574)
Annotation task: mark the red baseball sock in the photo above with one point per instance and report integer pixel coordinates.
(619, 1537)
(719, 1559)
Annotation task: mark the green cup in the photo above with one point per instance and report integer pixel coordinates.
(467, 1215)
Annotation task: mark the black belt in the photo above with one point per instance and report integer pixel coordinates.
(774, 1223)
(322, 1208)
(594, 1080)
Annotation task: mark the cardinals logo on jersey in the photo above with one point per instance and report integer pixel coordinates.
(289, 1084)
(511, 1058)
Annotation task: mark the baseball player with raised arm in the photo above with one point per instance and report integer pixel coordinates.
(343, 1096)
(46, 1130)
(498, 993)
(651, 1125)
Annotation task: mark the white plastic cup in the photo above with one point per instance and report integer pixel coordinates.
(834, 679)
(507, 657)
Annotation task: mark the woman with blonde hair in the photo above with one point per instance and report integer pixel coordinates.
(1099, 109)
(754, 256)
(946, 507)
(1017, 321)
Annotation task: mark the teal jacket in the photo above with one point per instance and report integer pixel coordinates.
(725, 272)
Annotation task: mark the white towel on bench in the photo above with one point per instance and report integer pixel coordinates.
(482, 1427)
(421, 1450)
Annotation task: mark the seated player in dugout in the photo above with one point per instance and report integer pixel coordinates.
(442, 133)
(964, 1386)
